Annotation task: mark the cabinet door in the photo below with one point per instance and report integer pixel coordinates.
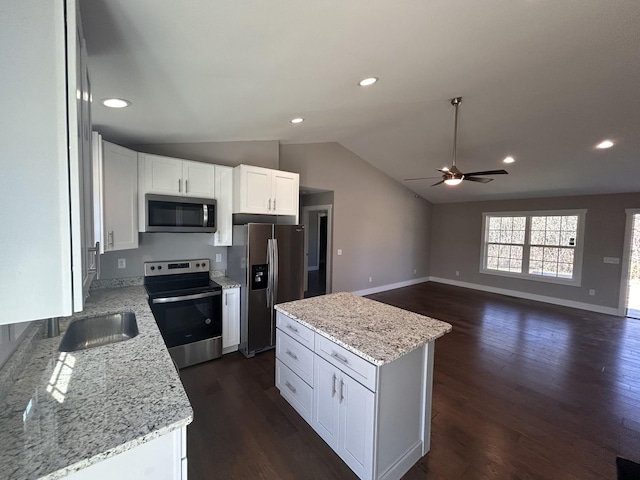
(284, 193)
(252, 189)
(355, 440)
(198, 179)
(163, 175)
(230, 317)
(120, 197)
(326, 407)
(224, 206)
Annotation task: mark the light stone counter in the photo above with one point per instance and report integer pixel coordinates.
(67, 411)
(224, 282)
(375, 331)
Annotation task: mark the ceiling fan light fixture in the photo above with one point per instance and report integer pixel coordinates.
(297, 120)
(508, 160)
(115, 102)
(453, 181)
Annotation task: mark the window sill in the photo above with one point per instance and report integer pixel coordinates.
(576, 282)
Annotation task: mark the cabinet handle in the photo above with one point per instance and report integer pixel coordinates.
(226, 295)
(186, 186)
(333, 385)
(341, 390)
(269, 207)
(110, 238)
(340, 358)
(291, 354)
(180, 185)
(290, 387)
(293, 329)
(95, 268)
(274, 204)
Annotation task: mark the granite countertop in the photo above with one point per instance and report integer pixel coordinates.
(375, 331)
(225, 282)
(67, 411)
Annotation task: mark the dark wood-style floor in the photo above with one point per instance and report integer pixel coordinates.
(522, 390)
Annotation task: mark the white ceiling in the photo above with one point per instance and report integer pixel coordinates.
(541, 80)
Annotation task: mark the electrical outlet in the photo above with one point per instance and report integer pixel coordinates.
(370, 279)
(339, 251)
(218, 257)
(592, 292)
(122, 263)
(457, 273)
(415, 271)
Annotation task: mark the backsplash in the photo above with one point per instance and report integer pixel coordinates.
(162, 246)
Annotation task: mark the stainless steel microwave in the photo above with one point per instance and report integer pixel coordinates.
(166, 213)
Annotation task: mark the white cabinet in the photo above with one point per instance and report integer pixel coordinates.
(224, 206)
(258, 190)
(164, 458)
(173, 176)
(230, 319)
(46, 232)
(343, 415)
(116, 196)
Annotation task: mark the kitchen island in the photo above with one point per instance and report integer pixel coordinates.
(360, 372)
(114, 411)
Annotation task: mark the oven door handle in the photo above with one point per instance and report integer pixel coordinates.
(186, 297)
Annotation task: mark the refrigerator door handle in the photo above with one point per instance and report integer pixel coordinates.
(269, 273)
(275, 272)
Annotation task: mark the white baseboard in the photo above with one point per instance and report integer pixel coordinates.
(529, 296)
(391, 286)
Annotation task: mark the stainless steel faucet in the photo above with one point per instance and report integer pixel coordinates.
(52, 327)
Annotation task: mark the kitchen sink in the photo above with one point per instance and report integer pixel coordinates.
(96, 331)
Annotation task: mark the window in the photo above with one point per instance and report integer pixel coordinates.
(545, 246)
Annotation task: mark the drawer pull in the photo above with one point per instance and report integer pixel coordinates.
(290, 387)
(340, 358)
(293, 329)
(333, 388)
(291, 354)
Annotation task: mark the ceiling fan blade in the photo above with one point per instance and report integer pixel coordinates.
(421, 178)
(441, 181)
(476, 179)
(488, 172)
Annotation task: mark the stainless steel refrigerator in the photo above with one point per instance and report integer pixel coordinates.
(268, 262)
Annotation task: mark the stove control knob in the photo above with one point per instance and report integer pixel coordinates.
(207, 321)
(159, 267)
(204, 264)
(153, 268)
(197, 265)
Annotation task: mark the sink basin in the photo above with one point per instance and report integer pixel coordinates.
(96, 331)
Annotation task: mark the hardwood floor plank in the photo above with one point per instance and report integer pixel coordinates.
(522, 390)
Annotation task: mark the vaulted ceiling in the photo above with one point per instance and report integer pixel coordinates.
(542, 80)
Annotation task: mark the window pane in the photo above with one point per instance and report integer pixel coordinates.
(516, 252)
(505, 236)
(550, 255)
(519, 223)
(494, 223)
(494, 236)
(535, 253)
(570, 223)
(568, 239)
(535, 267)
(515, 265)
(553, 223)
(552, 237)
(565, 270)
(518, 236)
(537, 237)
(565, 255)
(507, 223)
(538, 223)
(492, 250)
(503, 263)
(492, 263)
(550, 268)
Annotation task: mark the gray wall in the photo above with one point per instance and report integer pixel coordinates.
(322, 198)
(457, 229)
(381, 227)
(162, 246)
(260, 153)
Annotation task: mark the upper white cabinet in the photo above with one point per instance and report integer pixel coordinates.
(46, 232)
(116, 196)
(224, 206)
(173, 176)
(258, 190)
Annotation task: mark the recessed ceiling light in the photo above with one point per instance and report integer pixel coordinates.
(115, 102)
(297, 120)
(508, 160)
(368, 81)
(605, 144)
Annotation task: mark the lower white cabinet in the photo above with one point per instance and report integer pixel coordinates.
(343, 415)
(164, 458)
(230, 319)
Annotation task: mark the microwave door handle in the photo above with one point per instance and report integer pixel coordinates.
(205, 215)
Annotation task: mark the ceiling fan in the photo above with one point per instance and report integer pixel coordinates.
(452, 175)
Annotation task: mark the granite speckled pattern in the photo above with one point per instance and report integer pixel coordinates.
(375, 331)
(67, 411)
(225, 282)
(115, 283)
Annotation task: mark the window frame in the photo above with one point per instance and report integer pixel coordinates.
(576, 281)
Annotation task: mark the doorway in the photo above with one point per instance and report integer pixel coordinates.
(630, 284)
(317, 221)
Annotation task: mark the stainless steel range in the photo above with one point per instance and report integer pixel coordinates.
(187, 307)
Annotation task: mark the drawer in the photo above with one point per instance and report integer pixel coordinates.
(295, 356)
(350, 363)
(294, 390)
(296, 330)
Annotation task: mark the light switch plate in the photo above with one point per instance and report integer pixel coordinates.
(218, 257)
(122, 263)
(339, 251)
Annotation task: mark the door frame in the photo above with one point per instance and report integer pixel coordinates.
(626, 261)
(305, 221)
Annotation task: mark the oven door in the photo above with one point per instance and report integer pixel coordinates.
(190, 318)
